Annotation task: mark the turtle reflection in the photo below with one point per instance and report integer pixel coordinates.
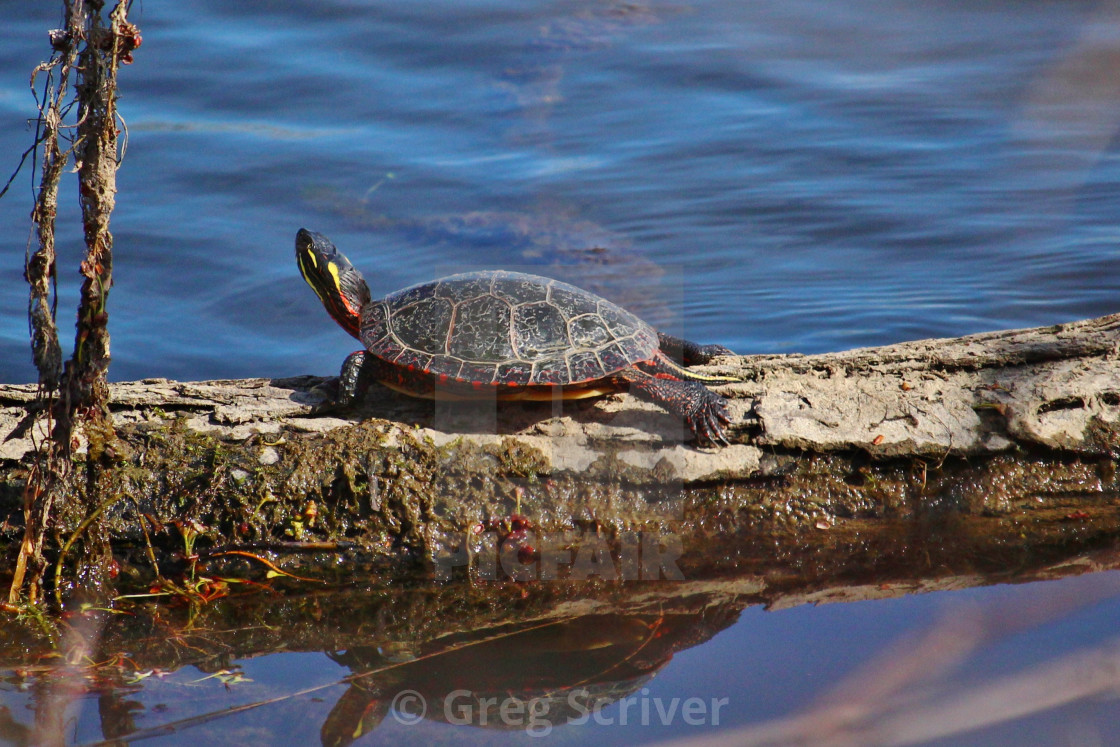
(525, 677)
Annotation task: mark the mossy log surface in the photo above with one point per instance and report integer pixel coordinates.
(1014, 435)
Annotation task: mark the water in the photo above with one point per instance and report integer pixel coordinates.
(775, 176)
(753, 671)
(809, 176)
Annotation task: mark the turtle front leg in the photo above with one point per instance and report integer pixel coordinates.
(354, 378)
(687, 352)
(704, 411)
(362, 368)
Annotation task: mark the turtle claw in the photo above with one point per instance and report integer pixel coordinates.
(707, 420)
(326, 396)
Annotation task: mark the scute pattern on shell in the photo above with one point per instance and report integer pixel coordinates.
(506, 328)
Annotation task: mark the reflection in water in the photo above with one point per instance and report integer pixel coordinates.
(529, 679)
(528, 676)
(548, 671)
(1068, 119)
(11, 731)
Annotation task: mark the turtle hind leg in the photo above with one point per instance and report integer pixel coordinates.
(663, 365)
(704, 411)
(689, 353)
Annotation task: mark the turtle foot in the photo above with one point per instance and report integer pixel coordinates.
(326, 393)
(707, 419)
(332, 400)
(703, 411)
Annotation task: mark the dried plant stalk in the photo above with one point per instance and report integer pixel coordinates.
(78, 392)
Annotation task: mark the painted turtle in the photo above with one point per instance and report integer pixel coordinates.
(508, 335)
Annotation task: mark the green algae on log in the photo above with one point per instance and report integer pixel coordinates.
(1021, 423)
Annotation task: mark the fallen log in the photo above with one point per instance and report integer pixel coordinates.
(1052, 387)
(983, 425)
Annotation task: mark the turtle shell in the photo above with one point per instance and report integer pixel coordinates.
(505, 328)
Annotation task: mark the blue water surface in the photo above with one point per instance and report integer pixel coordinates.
(773, 175)
(804, 176)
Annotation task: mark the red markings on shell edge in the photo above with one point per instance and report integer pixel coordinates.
(442, 377)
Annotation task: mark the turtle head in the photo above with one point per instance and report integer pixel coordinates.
(339, 285)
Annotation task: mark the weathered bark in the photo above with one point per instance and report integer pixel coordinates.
(1051, 387)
